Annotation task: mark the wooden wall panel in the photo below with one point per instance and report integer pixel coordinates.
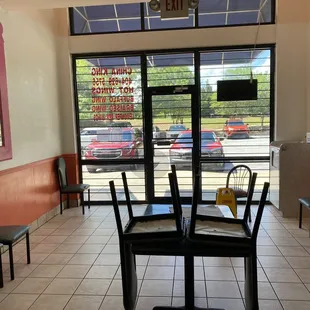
(29, 191)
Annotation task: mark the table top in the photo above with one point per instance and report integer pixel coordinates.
(153, 209)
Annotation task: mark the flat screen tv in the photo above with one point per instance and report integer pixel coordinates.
(236, 90)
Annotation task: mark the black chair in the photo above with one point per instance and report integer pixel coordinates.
(9, 235)
(65, 188)
(306, 203)
(136, 230)
(226, 237)
(239, 180)
(133, 233)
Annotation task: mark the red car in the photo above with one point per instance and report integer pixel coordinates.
(236, 128)
(180, 152)
(112, 143)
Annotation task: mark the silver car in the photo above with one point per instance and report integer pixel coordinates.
(174, 131)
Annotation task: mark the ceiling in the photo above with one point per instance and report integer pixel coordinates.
(50, 4)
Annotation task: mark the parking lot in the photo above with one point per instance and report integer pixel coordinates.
(211, 178)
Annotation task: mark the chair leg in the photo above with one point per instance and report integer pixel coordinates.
(11, 261)
(28, 248)
(60, 195)
(129, 276)
(250, 285)
(82, 202)
(88, 198)
(250, 216)
(68, 201)
(1, 271)
(300, 215)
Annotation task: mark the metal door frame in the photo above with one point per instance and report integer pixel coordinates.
(148, 136)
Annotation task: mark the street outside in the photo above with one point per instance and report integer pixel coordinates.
(212, 178)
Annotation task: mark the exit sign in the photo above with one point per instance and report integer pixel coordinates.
(173, 9)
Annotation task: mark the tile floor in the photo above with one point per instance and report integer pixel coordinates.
(75, 265)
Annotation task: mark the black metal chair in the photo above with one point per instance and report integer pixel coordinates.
(306, 203)
(225, 237)
(65, 188)
(168, 225)
(137, 232)
(239, 180)
(9, 235)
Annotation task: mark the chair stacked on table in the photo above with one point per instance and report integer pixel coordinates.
(201, 235)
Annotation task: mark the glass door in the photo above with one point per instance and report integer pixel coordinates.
(172, 140)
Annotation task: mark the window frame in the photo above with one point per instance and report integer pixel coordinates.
(143, 64)
(143, 28)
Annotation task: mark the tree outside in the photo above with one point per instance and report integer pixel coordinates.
(243, 109)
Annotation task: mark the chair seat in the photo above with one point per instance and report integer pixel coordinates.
(75, 188)
(154, 226)
(219, 228)
(305, 201)
(9, 234)
(239, 193)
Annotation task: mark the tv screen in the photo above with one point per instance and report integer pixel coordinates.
(236, 90)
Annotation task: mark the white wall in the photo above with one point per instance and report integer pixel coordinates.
(292, 57)
(30, 48)
(66, 94)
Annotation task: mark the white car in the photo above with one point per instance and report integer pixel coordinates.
(88, 135)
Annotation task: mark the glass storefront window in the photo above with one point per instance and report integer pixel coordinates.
(116, 134)
(210, 13)
(106, 18)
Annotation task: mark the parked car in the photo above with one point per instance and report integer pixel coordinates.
(174, 131)
(158, 135)
(236, 128)
(88, 135)
(180, 152)
(113, 143)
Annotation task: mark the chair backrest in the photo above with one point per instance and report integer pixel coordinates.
(62, 172)
(260, 211)
(127, 195)
(250, 197)
(116, 210)
(239, 178)
(195, 198)
(175, 201)
(177, 191)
